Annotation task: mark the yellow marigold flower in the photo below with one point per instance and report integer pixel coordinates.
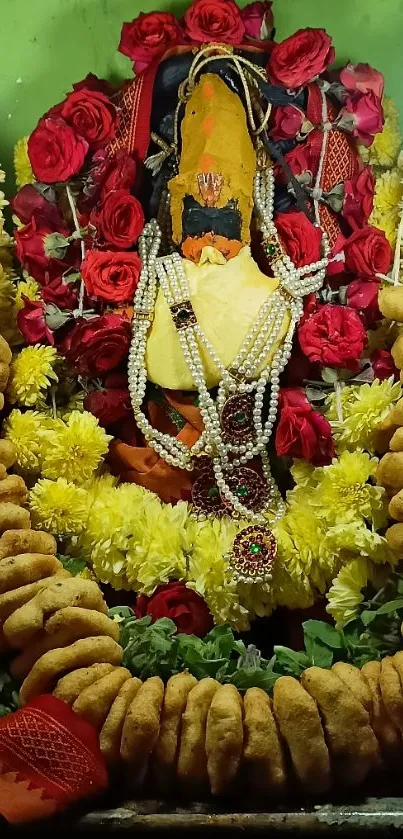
(22, 165)
(77, 448)
(32, 372)
(387, 203)
(26, 431)
(345, 595)
(27, 287)
(59, 507)
(364, 407)
(344, 495)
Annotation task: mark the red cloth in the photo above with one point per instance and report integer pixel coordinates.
(49, 758)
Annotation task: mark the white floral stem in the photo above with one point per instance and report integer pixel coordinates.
(82, 244)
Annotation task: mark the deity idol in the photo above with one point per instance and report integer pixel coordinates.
(219, 298)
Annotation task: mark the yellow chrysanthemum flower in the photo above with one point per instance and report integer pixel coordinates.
(301, 547)
(22, 165)
(386, 146)
(27, 287)
(351, 540)
(344, 494)
(27, 431)
(77, 448)
(345, 595)
(59, 507)
(32, 373)
(387, 203)
(7, 291)
(364, 407)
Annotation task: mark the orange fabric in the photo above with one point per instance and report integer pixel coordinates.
(140, 464)
(192, 247)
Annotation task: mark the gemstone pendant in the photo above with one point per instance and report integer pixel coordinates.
(183, 314)
(250, 489)
(253, 555)
(206, 496)
(274, 249)
(237, 418)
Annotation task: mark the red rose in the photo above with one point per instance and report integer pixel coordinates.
(179, 603)
(111, 276)
(31, 322)
(108, 405)
(300, 58)
(334, 336)
(31, 251)
(95, 347)
(383, 365)
(362, 77)
(91, 114)
(214, 20)
(286, 123)
(303, 432)
(299, 159)
(300, 238)
(362, 296)
(92, 82)
(359, 198)
(116, 173)
(258, 20)
(60, 293)
(55, 151)
(148, 36)
(29, 202)
(368, 252)
(119, 219)
(363, 116)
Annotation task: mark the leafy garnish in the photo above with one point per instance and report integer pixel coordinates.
(73, 564)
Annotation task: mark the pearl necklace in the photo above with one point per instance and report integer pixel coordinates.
(249, 374)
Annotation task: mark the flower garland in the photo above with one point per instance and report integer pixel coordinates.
(79, 222)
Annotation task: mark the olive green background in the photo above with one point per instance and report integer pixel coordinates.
(48, 44)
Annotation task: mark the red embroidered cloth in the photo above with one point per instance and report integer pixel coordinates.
(49, 758)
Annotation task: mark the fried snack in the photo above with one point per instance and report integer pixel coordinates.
(21, 627)
(141, 728)
(64, 627)
(388, 736)
(2, 403)
(111, 734)
(224, 738)
(4, 374)
(394, 537)
(15, 542)
(396, 506)
(391, 690)
(13, 489)
(96, 700)
(389, 473)
(7, 453)
(165, 753)
(352, 744)
(12, 600)
(3, 470)
(69, 687)
(300, 726)
(17, 571)
(263, 756)
(5, 352)
(353, 679)
(13, 517)
(192, 759)
(53, 664)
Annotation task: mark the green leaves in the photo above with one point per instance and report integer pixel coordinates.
(73, 564)
(8, 694)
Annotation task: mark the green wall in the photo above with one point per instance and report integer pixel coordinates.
(48, 44)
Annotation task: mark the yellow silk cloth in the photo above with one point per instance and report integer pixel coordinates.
(226, 298)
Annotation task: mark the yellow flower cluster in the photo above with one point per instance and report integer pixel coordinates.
(22, 166)
(388, 203)
(31, 375)
(363, 408)
(73, 449)
(385, 148)
(134, 541)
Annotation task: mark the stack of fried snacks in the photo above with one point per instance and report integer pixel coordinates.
(332, 728)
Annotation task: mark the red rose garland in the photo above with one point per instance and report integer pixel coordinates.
(119, 219)
(182, 605)
(91, 114)
(148, 37)
(56, 152)
(111, 276)
(97, 346)
(300, 58)
(214, 20)
(333, 336)
(301, 431)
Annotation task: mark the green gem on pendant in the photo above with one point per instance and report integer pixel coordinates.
(271, 250)
(240, 416)
(241, 491)
(213, 492)
(255, 549)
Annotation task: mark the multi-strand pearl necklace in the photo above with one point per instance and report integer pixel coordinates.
(249, 375)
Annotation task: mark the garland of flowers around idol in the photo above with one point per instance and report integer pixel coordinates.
(66, 385)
